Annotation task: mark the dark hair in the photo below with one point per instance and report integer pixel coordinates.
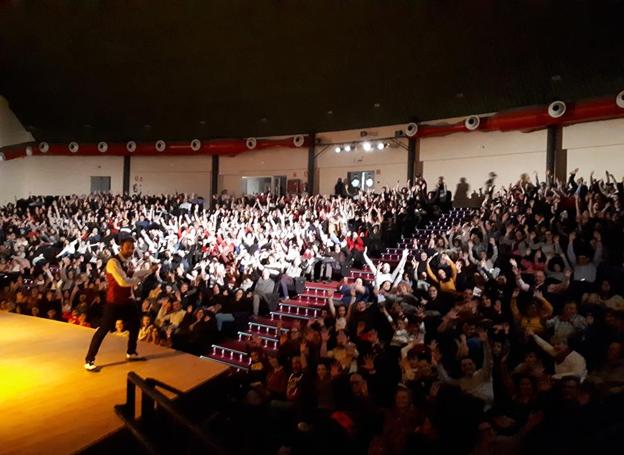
(125, 240)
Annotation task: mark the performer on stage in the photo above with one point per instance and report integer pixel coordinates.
(119, 303)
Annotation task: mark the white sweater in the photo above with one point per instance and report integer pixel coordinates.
(573, 364)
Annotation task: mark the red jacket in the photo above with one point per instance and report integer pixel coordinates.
(357, 244)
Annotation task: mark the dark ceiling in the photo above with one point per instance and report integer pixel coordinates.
(93, 70)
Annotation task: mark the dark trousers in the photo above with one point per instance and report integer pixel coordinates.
(129, 313)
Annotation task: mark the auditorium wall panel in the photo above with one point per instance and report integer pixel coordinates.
(473, 155)
(591, 146)
(178, 174)
(596, 146)
(62, 175)
(292, 163)
(11, 180)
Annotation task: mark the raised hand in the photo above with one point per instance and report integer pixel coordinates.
(369, 363)
(538, 295)
(436, 356)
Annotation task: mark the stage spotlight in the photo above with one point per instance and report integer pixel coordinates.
(347, 148)
(380, 146)
(337, 150)
(367, 146)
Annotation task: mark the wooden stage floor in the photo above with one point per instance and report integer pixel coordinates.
(50, 405)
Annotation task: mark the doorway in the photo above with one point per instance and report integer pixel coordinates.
(275, 184)
(100, 184)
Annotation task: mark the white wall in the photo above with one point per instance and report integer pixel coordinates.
(595, 146)
(474, 155)
(11, 180)
(56, 175)
(177, 174)
(293, 163)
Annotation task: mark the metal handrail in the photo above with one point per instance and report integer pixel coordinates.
(151, 396)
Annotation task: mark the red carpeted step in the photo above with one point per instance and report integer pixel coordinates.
(311, 303)
(312, 300)
(269, 343)
(288, 317)
(234, 345)
(231, 362)
(262, 335)
(268, 322)
(312, 285)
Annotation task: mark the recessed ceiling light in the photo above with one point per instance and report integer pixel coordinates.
(377, 105)
(147, 126)
(202, 122)
(459, 95)
(264, 120)
(556, 78)
(330, 112)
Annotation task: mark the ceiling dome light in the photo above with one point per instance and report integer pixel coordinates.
(367, 146)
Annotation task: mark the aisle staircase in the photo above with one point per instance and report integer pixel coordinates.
(264, 332)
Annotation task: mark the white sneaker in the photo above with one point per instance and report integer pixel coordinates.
(90, 366)
(134, 357)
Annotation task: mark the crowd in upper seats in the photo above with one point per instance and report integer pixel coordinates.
(502, 333)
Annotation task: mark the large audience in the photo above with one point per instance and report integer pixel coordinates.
(500, 333)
